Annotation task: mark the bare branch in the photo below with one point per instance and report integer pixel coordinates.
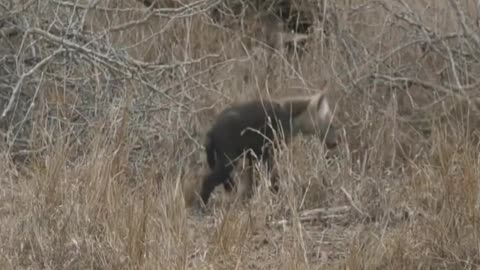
(461, 18)
(352, 203)
(18, 86)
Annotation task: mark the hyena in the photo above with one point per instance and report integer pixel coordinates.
(256, 128)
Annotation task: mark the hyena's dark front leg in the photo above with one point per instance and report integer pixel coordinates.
(220, 175)
(229, 184)
(272, 170)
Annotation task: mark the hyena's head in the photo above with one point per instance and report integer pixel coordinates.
(312, 115)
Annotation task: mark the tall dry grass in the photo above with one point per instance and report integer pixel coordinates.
(101, 149)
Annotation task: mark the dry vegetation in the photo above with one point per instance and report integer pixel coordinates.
(103, 105)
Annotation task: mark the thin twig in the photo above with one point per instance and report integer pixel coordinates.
(350, 200)
(18, 86)
(461, 18)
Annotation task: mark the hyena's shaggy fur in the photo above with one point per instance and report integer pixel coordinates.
(255, 128)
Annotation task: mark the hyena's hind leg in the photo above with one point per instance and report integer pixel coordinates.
(221, 174)
(250, 181)
(231, 184)
(269, 162)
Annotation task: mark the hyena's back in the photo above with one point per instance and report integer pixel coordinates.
(247, 126)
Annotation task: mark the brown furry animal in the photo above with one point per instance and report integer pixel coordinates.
(255, 128)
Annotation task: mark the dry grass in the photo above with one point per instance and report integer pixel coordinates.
(101, 147)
